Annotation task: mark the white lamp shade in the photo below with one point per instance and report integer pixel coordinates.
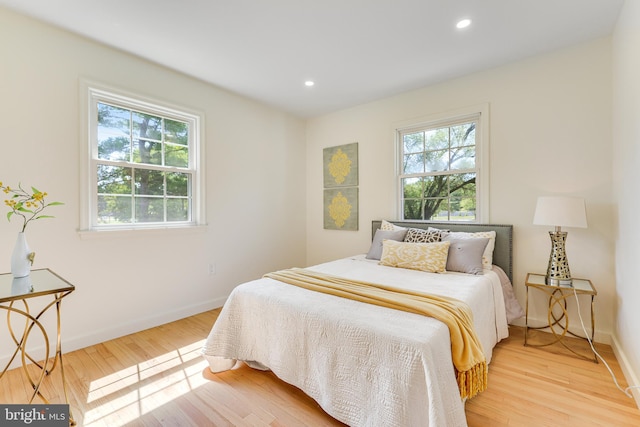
(560, 211)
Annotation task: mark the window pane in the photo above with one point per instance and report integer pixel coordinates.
(114, 210)
(114, 180)
(147, 152)
(149, 209)
(177, 209)
(438, 210)
(146, 126)
(176, 132)
(463, 135)
(433, 206)
(436, 186)
(176, 155)
(468, 208)
(114, 142)
(463, 158)
(437, 161)
(462, 209)
(413, 142)
(463, 184)
(463, 197)
(412, 188)
(177, 184)
(149, 182)
(414, 163)
(437, 139)
(412, 209)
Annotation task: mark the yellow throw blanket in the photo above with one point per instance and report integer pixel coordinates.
(466, 349)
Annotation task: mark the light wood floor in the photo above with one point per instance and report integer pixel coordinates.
(155, 378)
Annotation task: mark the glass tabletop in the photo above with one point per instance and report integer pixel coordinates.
(39, 282)
(580, 285)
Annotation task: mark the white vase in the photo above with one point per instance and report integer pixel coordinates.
(21, 258)
(21, 285)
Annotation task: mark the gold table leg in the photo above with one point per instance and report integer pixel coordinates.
(21, 348)
(559, 298)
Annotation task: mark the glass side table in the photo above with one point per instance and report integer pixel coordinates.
(15, 294)
(558, 323)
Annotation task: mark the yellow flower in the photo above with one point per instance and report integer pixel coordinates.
(28, 205)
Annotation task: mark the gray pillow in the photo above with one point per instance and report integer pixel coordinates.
(465, 255)
(375, 252)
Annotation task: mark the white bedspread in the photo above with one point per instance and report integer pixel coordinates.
(365, 365)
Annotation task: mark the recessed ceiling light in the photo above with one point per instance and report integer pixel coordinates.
(309, 83)
(463, 23)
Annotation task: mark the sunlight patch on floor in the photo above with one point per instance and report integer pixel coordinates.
(132, 392)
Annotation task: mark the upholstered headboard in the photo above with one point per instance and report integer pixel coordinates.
(502, 254)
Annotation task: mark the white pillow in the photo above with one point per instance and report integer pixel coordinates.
(387, 226)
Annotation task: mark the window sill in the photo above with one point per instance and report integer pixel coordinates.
(139, 232)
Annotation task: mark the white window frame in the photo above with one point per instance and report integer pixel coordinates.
(91, 93)
(476, 112)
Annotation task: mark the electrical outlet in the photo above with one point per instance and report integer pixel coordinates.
(212, 269)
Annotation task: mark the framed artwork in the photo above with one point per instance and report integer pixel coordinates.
(341, 208)
(340, 165)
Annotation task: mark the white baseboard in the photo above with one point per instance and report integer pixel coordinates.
(115, 331)
(627, 370)
(71, 343)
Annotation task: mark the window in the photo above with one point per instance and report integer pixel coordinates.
(143, 164)
(440, 175)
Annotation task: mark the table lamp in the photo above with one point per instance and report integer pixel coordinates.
(559, 212)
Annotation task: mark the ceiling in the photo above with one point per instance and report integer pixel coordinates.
(355, 50)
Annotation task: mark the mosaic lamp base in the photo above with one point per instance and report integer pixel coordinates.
(558, 269)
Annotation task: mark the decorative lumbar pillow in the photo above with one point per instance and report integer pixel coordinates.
(487, 256)
(430, 257)
(387, 226)
(416, 235)
(465, 255)
(375, 251)
(440, 230)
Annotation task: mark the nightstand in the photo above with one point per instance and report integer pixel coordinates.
(558, 323)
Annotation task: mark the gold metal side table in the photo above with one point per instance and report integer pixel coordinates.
(558, 323)
(15, 295)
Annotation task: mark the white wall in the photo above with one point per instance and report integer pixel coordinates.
(550, 132)
(255, 168)
(626, 163)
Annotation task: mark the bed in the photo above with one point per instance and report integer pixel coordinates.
(368, 365)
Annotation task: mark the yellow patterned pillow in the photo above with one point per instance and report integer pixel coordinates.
(430, 257)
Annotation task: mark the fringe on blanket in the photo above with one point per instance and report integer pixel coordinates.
(473, 381)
